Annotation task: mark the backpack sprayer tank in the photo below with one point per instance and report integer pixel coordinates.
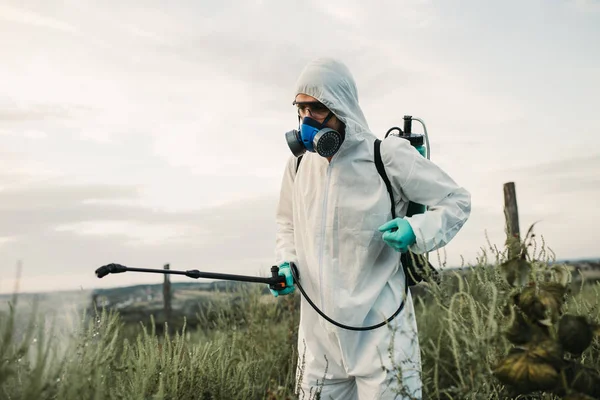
(416, 140)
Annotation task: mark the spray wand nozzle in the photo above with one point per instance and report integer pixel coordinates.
(275, 282)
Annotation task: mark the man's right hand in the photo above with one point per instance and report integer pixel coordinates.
(285, 270)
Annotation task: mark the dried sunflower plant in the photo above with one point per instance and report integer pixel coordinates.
(549, 341)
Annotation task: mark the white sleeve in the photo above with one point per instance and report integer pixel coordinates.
(285, 249)
(423, 182)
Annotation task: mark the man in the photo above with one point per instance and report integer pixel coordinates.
(334, 223)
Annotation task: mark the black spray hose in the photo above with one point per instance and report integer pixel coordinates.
(322, 314)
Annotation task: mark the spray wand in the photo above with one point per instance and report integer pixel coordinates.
(275, 282)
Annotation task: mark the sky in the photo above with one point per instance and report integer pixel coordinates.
(152, 133)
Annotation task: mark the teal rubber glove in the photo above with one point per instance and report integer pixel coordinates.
(285, 270)
(421, 149)
(401, 238)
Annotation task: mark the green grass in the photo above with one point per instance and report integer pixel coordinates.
(244, 347)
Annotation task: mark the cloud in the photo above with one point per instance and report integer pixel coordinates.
(27, 17)
(34, 112)
(574, 177)
(67, 233)
(586, 5)
(17, 168)
(56, 195)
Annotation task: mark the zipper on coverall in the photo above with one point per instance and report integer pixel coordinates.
(323, 227)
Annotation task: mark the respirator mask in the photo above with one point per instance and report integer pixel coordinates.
(313, 135)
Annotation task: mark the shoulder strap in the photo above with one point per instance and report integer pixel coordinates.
(298, 163)
(381, 170)
(404, 260)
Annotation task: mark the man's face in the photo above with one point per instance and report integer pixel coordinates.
(308, 106)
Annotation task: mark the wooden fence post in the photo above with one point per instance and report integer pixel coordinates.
(511, 213)
(167, 294)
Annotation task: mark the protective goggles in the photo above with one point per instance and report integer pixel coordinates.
(317, 109)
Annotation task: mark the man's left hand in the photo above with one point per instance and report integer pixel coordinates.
(401, 238)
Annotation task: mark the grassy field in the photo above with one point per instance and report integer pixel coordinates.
(243, 346)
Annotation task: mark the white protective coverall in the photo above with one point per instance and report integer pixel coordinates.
(328, 217)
